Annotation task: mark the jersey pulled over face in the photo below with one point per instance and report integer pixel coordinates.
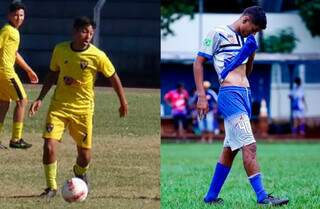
(9, 43)
(77, 73)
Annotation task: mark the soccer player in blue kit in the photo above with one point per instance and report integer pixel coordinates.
(232, 50)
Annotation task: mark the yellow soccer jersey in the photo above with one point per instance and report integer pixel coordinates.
(9, 43)
(77, 73)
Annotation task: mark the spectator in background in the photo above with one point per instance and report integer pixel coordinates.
(192, 103)
(208, 125)
(177, 99)
(298, 107)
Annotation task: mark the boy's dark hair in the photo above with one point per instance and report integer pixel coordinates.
(16, 5)
(297, 81)
(180, 85)
(258, 16)
(83, 21)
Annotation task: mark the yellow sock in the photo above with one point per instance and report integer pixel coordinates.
(1, 126)
(17, 131)
(78, 170)
(50, 171)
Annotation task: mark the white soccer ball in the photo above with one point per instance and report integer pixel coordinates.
(74, 190)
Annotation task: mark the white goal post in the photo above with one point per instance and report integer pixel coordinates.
(96, 17)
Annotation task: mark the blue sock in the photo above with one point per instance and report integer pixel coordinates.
(220, 175)
(256, 183)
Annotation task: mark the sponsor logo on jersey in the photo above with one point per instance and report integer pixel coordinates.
(207, 42)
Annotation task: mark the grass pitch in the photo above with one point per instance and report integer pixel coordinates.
(289, 170)
(124, 172)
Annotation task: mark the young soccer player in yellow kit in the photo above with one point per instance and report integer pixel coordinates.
(74, 66)
(10, 85)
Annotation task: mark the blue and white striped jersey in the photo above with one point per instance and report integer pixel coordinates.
(221, 45)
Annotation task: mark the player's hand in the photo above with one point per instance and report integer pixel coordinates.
(35, 106)
(202, 106)
(33, 77)
(123, 110)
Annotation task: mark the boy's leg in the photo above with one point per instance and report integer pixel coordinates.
(220, 174)
(82, 163)
(17, 93)
(18, 118)
(55, 125)
(253, 172)
(50, 162)
(4, 106)
(81, 131)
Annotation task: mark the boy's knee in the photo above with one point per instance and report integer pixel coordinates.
(49, 148)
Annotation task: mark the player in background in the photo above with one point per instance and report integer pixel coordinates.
(177, 99)
(208, 125)
(232, 49)
(10, 85)
(73, 66)
(298, 106)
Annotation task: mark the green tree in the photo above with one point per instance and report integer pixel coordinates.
(310, 13)
(172, 10)
(284, 42)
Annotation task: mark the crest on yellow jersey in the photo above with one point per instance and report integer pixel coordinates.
(49, 127)
(83, 64)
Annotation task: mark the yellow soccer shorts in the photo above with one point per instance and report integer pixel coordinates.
(11, 89)
(79, 126)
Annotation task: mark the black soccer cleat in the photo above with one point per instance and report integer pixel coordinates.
(218, 201)
(48, 193)
(2, 146)
(273, 201)
(21, 144)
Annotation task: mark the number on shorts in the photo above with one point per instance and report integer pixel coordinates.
(244, 125)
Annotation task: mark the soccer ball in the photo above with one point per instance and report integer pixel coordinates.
(74, 190)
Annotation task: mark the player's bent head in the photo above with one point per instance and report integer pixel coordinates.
(16, 5)
(257, 16)
(81, 22)
(297, 81)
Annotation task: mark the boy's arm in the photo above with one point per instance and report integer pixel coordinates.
(249, 64)
(305, 103)
(50, 80)
(22, 63)
(202, 104)
(117, 86)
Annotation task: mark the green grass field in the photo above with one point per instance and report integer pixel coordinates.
(124, 172)
(289, 170)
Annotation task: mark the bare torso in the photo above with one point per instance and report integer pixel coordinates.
(237, 77)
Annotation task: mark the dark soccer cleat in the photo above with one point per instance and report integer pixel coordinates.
(2, 146)
(218, 201)
(21, 144)
(274, 201)
(48, 193)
